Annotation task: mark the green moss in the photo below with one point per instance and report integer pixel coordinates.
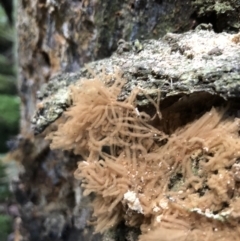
(225, 13)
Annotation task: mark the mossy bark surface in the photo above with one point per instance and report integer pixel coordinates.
(181, 66)
(56, 39)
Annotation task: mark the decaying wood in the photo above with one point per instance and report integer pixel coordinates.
(61, 36)
(190, 74)
(179, 65)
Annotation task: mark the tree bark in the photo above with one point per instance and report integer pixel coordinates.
(61, 36)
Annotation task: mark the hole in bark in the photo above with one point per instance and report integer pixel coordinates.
(24, 3)
(179, 110)
(46, 58)
(208, 18)
(158, 1)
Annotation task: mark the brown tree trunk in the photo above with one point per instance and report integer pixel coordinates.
(59, 36)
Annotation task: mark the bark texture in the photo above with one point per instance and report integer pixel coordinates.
(178, 64)
(59, 36)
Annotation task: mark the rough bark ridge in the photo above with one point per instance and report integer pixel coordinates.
(61, 36)
(179, 65)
